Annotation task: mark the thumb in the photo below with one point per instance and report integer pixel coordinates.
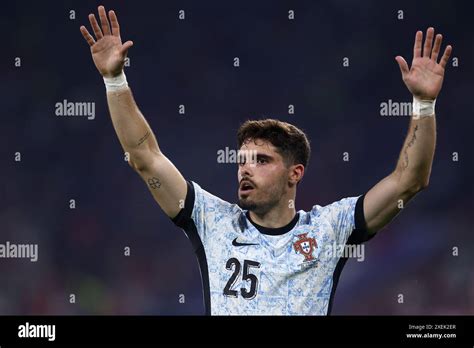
(125, 47)
(402, 63)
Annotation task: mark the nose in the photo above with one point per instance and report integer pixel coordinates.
(245, 170)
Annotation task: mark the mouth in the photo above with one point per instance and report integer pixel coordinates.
(246, 187)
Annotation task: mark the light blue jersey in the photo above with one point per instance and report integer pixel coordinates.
(248, 269)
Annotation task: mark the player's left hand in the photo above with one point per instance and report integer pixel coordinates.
(425, 77)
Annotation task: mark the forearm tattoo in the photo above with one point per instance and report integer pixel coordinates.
(409, 144)
(142, 139)
(154, 183)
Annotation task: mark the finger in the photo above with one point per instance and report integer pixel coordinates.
(402, 63)
(104, 21)
(114, 23)
(445, 58)
(95, 27)
(436, 47)
(428, 42)
(90, 40)
(417, 47)
(125, 47)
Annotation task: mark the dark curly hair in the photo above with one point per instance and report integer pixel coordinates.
(290, 141)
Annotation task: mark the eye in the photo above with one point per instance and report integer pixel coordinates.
(261, 160)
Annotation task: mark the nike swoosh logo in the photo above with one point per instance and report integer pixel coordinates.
(235, 243)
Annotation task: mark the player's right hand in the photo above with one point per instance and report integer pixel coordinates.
(108, 52)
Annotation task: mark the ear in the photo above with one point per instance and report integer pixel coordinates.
(296, 174)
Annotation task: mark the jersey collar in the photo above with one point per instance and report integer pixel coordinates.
(275, 231)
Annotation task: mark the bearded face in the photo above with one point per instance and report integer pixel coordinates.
(263, 177)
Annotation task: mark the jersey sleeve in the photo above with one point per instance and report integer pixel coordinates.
(346, 217)
(202, 213)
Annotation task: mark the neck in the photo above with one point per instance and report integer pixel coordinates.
(277, 217)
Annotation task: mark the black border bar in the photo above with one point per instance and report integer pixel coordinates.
(140, 330)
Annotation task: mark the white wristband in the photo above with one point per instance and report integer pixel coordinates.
(423, 107)
(116, 83)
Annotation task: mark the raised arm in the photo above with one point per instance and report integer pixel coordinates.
(164, 181)
(424, 80)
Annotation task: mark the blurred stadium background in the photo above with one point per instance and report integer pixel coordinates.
(190, 62)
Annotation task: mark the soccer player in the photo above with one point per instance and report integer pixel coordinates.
(261, 256)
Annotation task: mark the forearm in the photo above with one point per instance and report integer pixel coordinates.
(131, 127)
(412, 173)
(382, 202)
(416, 157)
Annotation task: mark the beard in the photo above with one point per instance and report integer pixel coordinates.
(247, 204)
(261, 206)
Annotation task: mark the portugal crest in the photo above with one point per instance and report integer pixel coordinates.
(305, 245)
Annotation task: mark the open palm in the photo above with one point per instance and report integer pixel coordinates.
(425, 77)
(108, 52)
